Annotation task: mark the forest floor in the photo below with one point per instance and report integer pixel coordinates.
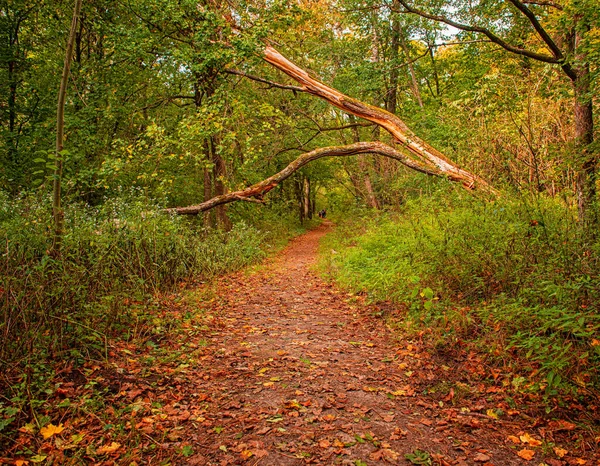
(282, 368)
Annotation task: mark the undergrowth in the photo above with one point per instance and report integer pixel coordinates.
(116, 264)
(514, 276)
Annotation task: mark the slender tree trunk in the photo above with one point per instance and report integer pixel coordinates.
(413, 75)
(363, 166)
(219, 174)
(584, 137)
(57, 208)
(306, 199)
(391, 100)
(584, 134)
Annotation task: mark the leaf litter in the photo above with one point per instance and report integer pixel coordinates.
(278, 367)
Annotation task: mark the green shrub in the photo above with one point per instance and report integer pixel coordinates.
(515, 273)
(114, 256)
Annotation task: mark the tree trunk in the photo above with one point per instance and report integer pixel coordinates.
(306, 199)
(413, 75)
(364, 170)
(584, 137)
(219, 174)
(391, 100)
(60, 128)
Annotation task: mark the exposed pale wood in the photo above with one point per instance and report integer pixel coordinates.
(394, 125)
(256, 192)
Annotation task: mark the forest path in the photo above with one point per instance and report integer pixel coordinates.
(295, 374)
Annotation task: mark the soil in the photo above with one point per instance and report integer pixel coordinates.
(301, 373)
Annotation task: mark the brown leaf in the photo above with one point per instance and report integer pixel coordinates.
(107, 449)
(324, 443)
(526, 454)
(481, 458)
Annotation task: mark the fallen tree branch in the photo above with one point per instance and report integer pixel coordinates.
(256, 192)
(390, 122)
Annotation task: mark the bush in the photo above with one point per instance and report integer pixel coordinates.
(514, 273)
(113, 257)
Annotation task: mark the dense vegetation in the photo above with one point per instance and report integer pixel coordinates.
(512, 276)
(169, 104)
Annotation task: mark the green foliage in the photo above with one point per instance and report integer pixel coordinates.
(114, 256)
(515, 274)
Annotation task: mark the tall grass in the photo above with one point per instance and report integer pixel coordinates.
(113, 256)
(515, 275)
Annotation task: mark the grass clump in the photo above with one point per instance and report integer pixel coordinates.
(514, 275)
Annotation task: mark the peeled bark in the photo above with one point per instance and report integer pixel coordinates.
(394, 125)
(256, 192)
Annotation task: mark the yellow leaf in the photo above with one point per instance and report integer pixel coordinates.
(526, 438)
(560, 452)
(106, 449)
(491, 413)
(51, 430)
(246, 454)
(526, 454)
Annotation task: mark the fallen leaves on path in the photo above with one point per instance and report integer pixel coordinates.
(279, 368)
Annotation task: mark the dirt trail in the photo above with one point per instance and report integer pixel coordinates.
(297, 375)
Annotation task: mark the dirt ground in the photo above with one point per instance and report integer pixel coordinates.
(274, 366)
(298, 374)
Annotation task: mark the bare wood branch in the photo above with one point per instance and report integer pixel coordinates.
(265, 81)
(490, 35)
(256, 192)
(394, 125)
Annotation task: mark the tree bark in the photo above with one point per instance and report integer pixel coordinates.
(584, 135)
(256, 192)
(57, 209)
(394, 125)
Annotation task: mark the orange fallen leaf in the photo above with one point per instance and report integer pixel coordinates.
(580, 461)
(526, 454)
(51, 430)
(526, 438)
(560, 452)
(106, 449)
(21, 462)
(324, 443)
(514, 439)
(338, 443)
(246, 454)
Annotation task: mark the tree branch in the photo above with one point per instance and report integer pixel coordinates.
(256, 192)
(490, 35)
(569, 71)
(271, 84)
(390, 122)
(543, 3)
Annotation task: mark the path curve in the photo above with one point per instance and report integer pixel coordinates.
(298, 374)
